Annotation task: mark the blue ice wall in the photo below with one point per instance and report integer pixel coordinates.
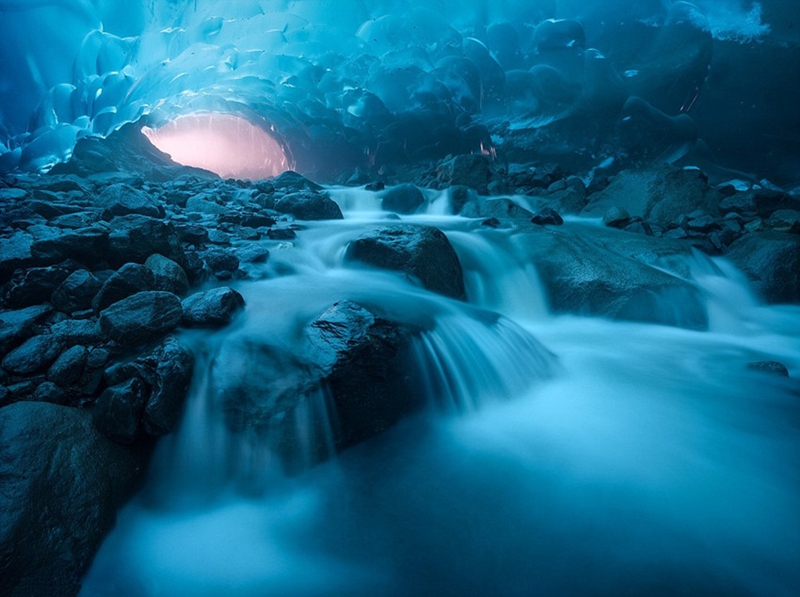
(347, 83)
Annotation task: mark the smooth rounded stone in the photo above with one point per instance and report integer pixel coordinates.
(469, 170)
(203, 204)
(771, 367)
(785, 220)
(88, 246)
(403, 199)
(661, 195)
(33, 356)
(598, 272)
(215, 307)
(219, 237)
(616, 217)
(192, 234)
(547, 216)
(422, 252)
(459, 196)
(771, 261)
(281, 234)
(221, 261)
(141, 318)
(69, 367)
(126, 281)
(167, 275)
(558, 34)
(119, 409)
(292, 182)
(47, 391)
(76, 292)
(762, 202)
(307, 205)
(256, 220)
(18, 325)
(34, 286)
(63, 482)
(174, 366)
(254, 253)
(135, 238)
(122, 200)
(494, 207)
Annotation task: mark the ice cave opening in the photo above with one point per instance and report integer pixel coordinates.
(225, 144)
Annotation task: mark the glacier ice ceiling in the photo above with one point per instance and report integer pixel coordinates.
(352, 84)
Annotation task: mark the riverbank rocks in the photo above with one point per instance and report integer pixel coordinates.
(469, 170)
(772, 262)
(63, 482)
(141, 318)
(308, 205)
(421, 252)
(213, 308)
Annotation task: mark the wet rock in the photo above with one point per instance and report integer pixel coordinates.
(403, 199)
(659, 195)
(306, 205)
(75, 331)
(469, 170)
(174, 365)
(119, 409)
(122, 200)
(76, 292)
(771, 367)
(141, 318)
(33, 356)
(599, 272)
(33, 286)
(167, 275)
(204, 204)
(785, 220)
(363, 361)
(494, 207)
(192, 234)
(16, 326)
(253, 253)
(255, 220)
(128, 280)
(761, 202)
(616, 217)
(772, 262)
(63, 482)
(281, 234)
(222, 263)
(49, 392)
(422, 252)
(292, 182)
(136, 237)
(219, 237)
(69, 367)
(16, 251)
(216, 307)
(547, 217)
(85, 245)
(491, 223)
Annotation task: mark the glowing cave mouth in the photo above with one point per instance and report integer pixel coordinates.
(222, 143)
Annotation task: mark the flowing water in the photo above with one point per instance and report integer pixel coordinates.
(560, 455)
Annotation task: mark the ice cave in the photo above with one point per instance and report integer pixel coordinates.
(398, 298)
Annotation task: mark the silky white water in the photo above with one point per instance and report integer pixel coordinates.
(560, 455)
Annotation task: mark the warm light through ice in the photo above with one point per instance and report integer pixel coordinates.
(222, 143)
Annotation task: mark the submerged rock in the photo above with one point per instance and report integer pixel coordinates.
(216, 307)
(403, 199)
(422, 252)
(63, 482)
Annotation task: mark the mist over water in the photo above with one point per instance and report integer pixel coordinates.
(558, 454)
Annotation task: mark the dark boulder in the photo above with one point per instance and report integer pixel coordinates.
(88, 246)
(222, 263)
(470, 170)
(17, 326)
(403, 199)
(422, 252)
(364, 365)
(292, 182)
(192, 234)
(661, 195)
(76, 292)
(760, 202)
(68, 369)
(254, 253)
(47, 391)
(307, 205)
(126, 281)
(141, 318)
(63, 482)
(770, 367)
(173, 365)
(122, 200)
(33, 356)
(772, 262)
(281, 234)
(215, 307)
(34, 286)
(136, 237)
(616, 217)
(119, 409)
(547, 216)
(167, 275)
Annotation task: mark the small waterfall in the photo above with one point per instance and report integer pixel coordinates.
(466, 363)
